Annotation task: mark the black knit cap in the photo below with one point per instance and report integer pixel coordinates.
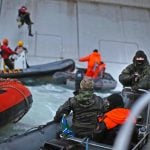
(115, 101)
(138, 54)
(95, 50)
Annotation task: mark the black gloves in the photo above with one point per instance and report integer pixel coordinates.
(135, 80)
(100, 127)
(135, 77)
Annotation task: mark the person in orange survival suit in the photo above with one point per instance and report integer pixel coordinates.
(95, 65)
(109, 124)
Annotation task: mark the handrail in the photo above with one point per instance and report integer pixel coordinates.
(140, 90)
(90, 143)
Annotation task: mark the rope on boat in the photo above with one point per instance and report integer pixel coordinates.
(5, 83)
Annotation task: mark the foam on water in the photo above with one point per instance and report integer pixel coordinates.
(46, 100)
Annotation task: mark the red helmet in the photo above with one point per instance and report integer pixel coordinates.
(5, 41)
(23, 9)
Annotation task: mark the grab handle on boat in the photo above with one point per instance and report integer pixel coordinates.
(86, 142)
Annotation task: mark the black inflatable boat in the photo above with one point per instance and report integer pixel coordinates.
(38, 74)
(67, 79)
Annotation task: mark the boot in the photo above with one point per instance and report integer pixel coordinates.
(31, 22)
(30, 34)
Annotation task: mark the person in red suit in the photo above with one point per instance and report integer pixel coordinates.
(6, 52)
(24, 17)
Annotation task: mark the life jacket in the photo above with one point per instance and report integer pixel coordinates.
(115, 117)
(6, 51)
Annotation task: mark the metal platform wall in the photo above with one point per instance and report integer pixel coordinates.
(73, 28)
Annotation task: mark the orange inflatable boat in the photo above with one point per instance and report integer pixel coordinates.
(15, 101)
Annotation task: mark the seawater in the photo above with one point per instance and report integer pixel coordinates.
(46, 100)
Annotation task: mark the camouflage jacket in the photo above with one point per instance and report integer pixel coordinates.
(127, 76)
(85, 106)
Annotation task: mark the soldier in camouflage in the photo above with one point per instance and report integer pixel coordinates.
(86, 106)
(137, 74)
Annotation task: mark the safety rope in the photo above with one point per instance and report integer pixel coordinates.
(5, 83)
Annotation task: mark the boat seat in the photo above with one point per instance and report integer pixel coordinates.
(62, 144)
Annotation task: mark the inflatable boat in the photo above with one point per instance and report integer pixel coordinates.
(36, 74)
(15, 101)
(69, 79)
(45, 137)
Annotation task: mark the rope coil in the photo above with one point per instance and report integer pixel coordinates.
(10, 83)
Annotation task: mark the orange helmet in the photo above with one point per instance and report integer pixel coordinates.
(5, 41)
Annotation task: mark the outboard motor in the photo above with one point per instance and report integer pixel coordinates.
(78, 78)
